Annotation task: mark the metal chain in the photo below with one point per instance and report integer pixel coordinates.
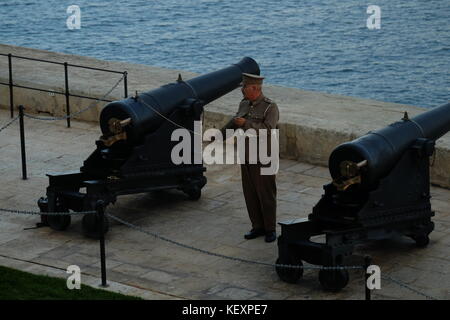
(132, 226)
(277, 265)
(403, 285)
(46, 213)
(8, 124)
(93, 104)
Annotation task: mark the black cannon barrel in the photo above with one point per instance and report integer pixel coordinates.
(383, 148)
(148, 111)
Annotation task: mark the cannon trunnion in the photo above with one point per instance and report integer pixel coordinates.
(380, 189)
(133, 155)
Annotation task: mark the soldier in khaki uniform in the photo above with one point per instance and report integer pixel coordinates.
(260, 191)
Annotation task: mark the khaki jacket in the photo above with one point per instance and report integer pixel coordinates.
(261, 114)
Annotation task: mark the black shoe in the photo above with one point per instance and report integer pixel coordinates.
(254, 233)
(271, 236)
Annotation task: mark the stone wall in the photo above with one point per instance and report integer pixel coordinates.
(311, 123)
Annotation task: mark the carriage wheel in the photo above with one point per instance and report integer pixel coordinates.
(43, 207)
(194, 193)
(333, 280)
(91, 225)
(289, 275)
(58, 223)
(421, 240)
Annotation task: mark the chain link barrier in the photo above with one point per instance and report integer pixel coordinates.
(9, 123)
(46, 213)
(276, 265)
(90, 106)
(155, 235)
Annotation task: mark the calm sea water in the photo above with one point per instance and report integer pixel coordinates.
(310, 44)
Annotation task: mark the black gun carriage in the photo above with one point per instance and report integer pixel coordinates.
(380, 189)
(133, 155)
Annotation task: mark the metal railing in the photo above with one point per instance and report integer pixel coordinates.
(66, 92)
(22, 114)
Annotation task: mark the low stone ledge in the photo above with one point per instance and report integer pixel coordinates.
(311, 125)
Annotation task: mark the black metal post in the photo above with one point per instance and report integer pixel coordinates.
(100, 208)
(11, 94)
(125, 83)
(66, 76)
(367, 263)
(22, 143)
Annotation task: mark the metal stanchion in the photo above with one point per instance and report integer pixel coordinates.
(367, 263)
(100, 208)
(11, 94)
(22, 143)
(66, 77)
(125, 83)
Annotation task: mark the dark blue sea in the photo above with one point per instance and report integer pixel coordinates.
(321, 45)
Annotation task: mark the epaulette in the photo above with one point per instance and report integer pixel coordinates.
(267, 100)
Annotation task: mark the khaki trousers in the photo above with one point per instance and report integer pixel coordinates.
(260, 193)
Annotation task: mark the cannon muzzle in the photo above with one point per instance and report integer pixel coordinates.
(147, 111)
(366, 160)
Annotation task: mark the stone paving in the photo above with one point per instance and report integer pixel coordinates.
(153, 269)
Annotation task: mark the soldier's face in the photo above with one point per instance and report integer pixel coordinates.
(251, 92)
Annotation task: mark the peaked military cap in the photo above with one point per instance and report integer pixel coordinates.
(248, 78)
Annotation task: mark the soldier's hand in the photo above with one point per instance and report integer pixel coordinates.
(239, 121)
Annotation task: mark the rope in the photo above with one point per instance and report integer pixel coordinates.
(434, 158)
(166, 118)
